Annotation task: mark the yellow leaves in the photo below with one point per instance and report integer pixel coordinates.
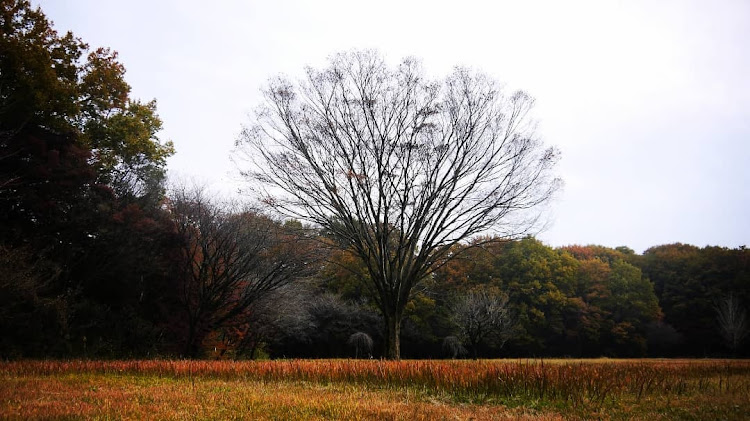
(129, 135)
(536, 315)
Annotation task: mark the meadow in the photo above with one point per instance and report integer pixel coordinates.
(372, 389)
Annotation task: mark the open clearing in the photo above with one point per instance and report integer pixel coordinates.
(357, 389)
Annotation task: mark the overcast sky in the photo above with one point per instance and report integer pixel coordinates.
(648, 101)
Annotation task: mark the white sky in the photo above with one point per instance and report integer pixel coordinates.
(649, 101)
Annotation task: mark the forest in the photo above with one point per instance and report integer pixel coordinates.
(100, 257)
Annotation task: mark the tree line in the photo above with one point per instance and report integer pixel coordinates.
(577, 301)
(383, 250)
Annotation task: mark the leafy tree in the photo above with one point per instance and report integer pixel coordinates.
(39, 71)
(68, 129)
(425, 320)
(541, 284)
(631, 304)
(80, 188)
(399, 168)
(46, 85)
(619, 303)
(593, 290)
(343, 273)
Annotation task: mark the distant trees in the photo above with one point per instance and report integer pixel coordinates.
(30, 314)
(619, 303)
(275, 316)
(540, 282)
(578, 300)
(582, 301)
(452, 347)
(733, 323)
(663, 339)
(362, 344)
(397, 167)
(328, 323)
(481, 315)
(631, 306)
(689, 281)
(228, 261)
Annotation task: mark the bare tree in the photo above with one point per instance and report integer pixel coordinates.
(228, 261)
(452, 347)
(399, 168)
(279, 313)
(732, 320)
(483, 314)
(361, 342)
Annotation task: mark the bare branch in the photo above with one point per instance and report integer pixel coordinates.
(397, 167)
(230, 259)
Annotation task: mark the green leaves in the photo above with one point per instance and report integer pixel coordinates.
(45, 84)
(38, 70)
(126, 140)
(76, 155)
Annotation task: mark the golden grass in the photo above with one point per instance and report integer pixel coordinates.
(129, 397)
(362, 389)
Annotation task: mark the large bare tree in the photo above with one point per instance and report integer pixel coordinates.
(398, 167)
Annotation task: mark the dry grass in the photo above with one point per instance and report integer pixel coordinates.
(346, 389)
(131, 397)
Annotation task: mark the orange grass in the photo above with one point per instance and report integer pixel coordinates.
(124, 397)
(618, 389)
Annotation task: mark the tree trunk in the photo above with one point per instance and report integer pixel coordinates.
(474, 348)
(191, 349)
(192, 346)
(392, 340)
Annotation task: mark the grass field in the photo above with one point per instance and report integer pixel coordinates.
(359, 389)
